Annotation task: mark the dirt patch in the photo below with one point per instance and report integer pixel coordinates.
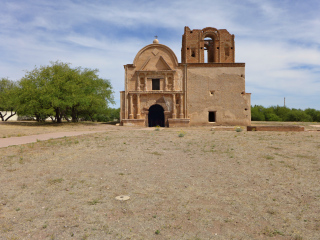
(189, 183)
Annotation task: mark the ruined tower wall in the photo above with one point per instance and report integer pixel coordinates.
(198, 48)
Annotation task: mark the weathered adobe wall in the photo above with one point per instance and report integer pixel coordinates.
(133, 75)
(154, 51)
(218, 89)
(147, 100)
(192, 42)
(122, 105)
(149, 59)
(276, 128)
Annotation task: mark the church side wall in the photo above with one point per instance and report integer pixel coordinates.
(220, 90)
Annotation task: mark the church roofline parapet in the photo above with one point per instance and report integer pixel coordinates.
(155, 71)
(215, 64)
(155, 92)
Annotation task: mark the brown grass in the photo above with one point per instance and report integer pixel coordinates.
(204, 185)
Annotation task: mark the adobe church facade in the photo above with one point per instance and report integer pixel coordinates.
(207, 88)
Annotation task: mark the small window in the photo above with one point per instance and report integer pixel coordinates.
(193, 53)
(156, 84)
(212, 116)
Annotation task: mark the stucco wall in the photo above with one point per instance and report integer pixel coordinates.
(217, 89)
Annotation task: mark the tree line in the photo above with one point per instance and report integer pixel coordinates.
(59, 92)
(277, 113)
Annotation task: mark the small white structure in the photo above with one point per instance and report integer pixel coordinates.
(7, 114)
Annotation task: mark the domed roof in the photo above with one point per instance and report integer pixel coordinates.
(156, 41)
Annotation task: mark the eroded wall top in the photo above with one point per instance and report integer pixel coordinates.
(208, 45)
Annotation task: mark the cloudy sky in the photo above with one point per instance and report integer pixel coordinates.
(279, 40)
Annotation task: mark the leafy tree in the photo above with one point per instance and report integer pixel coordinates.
(61, 91)
(8, 99)
(270, 115)
(313, 113)
(298, 115)
(281, 112)
(277, 113)
(257, 113)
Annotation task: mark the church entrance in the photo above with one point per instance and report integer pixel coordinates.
(156, 116)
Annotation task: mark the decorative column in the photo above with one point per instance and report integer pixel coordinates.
(165, 82)
(166, 116)
(138, 106)
(138, 82)
(147, 118)
(131, 107)
(173, 86)
(181, 115)
(174, 106)
(145, 82)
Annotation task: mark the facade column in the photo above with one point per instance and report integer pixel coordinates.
(173, 85)
(174, 106)
(166, 117)
(147, 118)
(145, 82)
(138, 82)
(181, 115)
(165, 82)
(138, 106)
(131, 107)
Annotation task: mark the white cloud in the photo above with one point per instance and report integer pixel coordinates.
(278, 41)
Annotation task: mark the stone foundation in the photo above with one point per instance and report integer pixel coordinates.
(178, 122)
(133, 122)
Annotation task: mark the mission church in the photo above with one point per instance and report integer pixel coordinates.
(206, 89)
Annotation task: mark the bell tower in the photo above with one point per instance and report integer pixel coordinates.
(208, 45)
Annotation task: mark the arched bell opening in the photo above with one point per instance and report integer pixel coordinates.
(156, 116)
(209, 47)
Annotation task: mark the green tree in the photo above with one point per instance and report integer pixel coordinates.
(281, 112)
(270, 114)
(8, 99)
(298, 115)
(257, 113)
(315, 114)
(61, 91)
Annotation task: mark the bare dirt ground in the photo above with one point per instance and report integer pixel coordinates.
(204, 185)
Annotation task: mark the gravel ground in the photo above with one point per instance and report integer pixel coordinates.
(202, 185)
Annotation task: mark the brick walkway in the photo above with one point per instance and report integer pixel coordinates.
(6, 142)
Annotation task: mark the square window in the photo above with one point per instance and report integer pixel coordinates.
(212, 117)
(156, 84)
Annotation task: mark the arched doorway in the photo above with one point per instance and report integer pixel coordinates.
(156, 116)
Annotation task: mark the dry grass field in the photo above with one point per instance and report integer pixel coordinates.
(189, 183)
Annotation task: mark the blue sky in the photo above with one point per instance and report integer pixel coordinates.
(278, 40)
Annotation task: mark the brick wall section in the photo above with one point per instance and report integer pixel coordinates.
(276, 128)
(221, 49)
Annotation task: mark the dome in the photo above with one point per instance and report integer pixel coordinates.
(156, 41)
